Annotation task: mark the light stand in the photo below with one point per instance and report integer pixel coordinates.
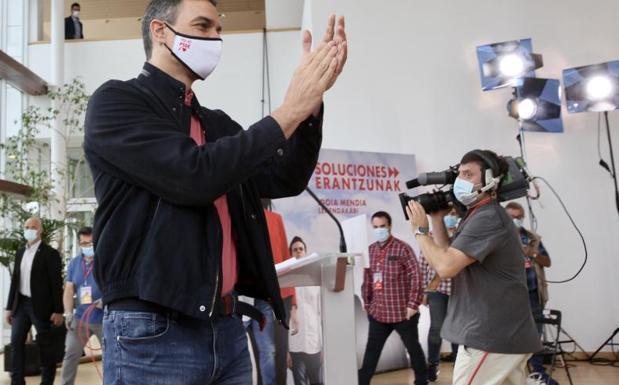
(608, 342)
(613, 171)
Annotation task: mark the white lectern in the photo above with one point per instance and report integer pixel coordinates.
(334, 274)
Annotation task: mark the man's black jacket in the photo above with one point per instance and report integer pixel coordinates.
(157, 233)
(69, 28)
(45, 282)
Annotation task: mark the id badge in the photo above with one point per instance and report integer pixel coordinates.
(85, 295)
(378, 280)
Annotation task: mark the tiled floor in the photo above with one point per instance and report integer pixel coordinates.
(582, 374)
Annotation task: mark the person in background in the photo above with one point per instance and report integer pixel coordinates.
(437, 293)
(88, 316)
(305, 340)
(536, 258)
(35, 298)
(73, 28)
(271, 341)
(392, 294)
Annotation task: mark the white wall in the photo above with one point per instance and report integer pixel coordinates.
(412, 86)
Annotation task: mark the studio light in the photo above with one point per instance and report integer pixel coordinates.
(537, 105)
(598, 88)
(595, 88)
(511, 66)
(592, 88)
(527, 109)
(505, 64)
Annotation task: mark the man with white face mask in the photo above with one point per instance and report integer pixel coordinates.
(35, 298)
(73, 28)
(392, 293)
(488, 313)
(180, 231)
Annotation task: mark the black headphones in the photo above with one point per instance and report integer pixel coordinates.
(491, 165)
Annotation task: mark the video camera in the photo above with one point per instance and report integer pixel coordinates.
(514, 184)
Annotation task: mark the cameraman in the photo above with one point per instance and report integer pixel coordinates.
(488, 313)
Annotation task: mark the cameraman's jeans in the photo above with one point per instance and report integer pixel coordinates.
(377, 336)
(159, 349)
(437, 302)
(265, 342)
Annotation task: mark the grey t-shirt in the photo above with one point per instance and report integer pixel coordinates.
(489, 306)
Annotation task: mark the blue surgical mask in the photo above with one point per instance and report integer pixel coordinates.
(381, 234)
(518, 222)
(450, 221)
(88, 251)
(30, 234)
(463, 190)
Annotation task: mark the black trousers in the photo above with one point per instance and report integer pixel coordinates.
(377, 336)
(306, 368)
(23, 319)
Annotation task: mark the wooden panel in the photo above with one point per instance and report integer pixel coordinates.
(129, 27)
(20, 76)
(109, 9)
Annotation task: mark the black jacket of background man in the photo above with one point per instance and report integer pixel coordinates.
(69, 28)
(45, 282)
(157, 232)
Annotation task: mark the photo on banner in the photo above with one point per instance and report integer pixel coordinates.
(350, 183)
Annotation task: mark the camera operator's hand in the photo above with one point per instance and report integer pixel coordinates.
(440, 214)
(416, 215)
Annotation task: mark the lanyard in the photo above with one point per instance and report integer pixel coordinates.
(472, 210)
(87, 272)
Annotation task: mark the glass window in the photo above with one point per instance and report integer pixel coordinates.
(80, 183)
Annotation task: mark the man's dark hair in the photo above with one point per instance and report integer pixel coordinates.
(296, 239)
(487, 159)
(382, 214)
(514, 206)
(75, 5)
(164, 10)
(86, 230)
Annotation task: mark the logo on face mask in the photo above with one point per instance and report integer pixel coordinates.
(184, 44)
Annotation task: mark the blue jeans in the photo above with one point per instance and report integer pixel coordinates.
(265, 342)
(23, 319)
(157, 349)
(437, 302)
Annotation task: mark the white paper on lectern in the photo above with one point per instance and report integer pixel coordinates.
(356, 234)
(295, 263)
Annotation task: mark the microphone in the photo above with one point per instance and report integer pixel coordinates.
(343, 248)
